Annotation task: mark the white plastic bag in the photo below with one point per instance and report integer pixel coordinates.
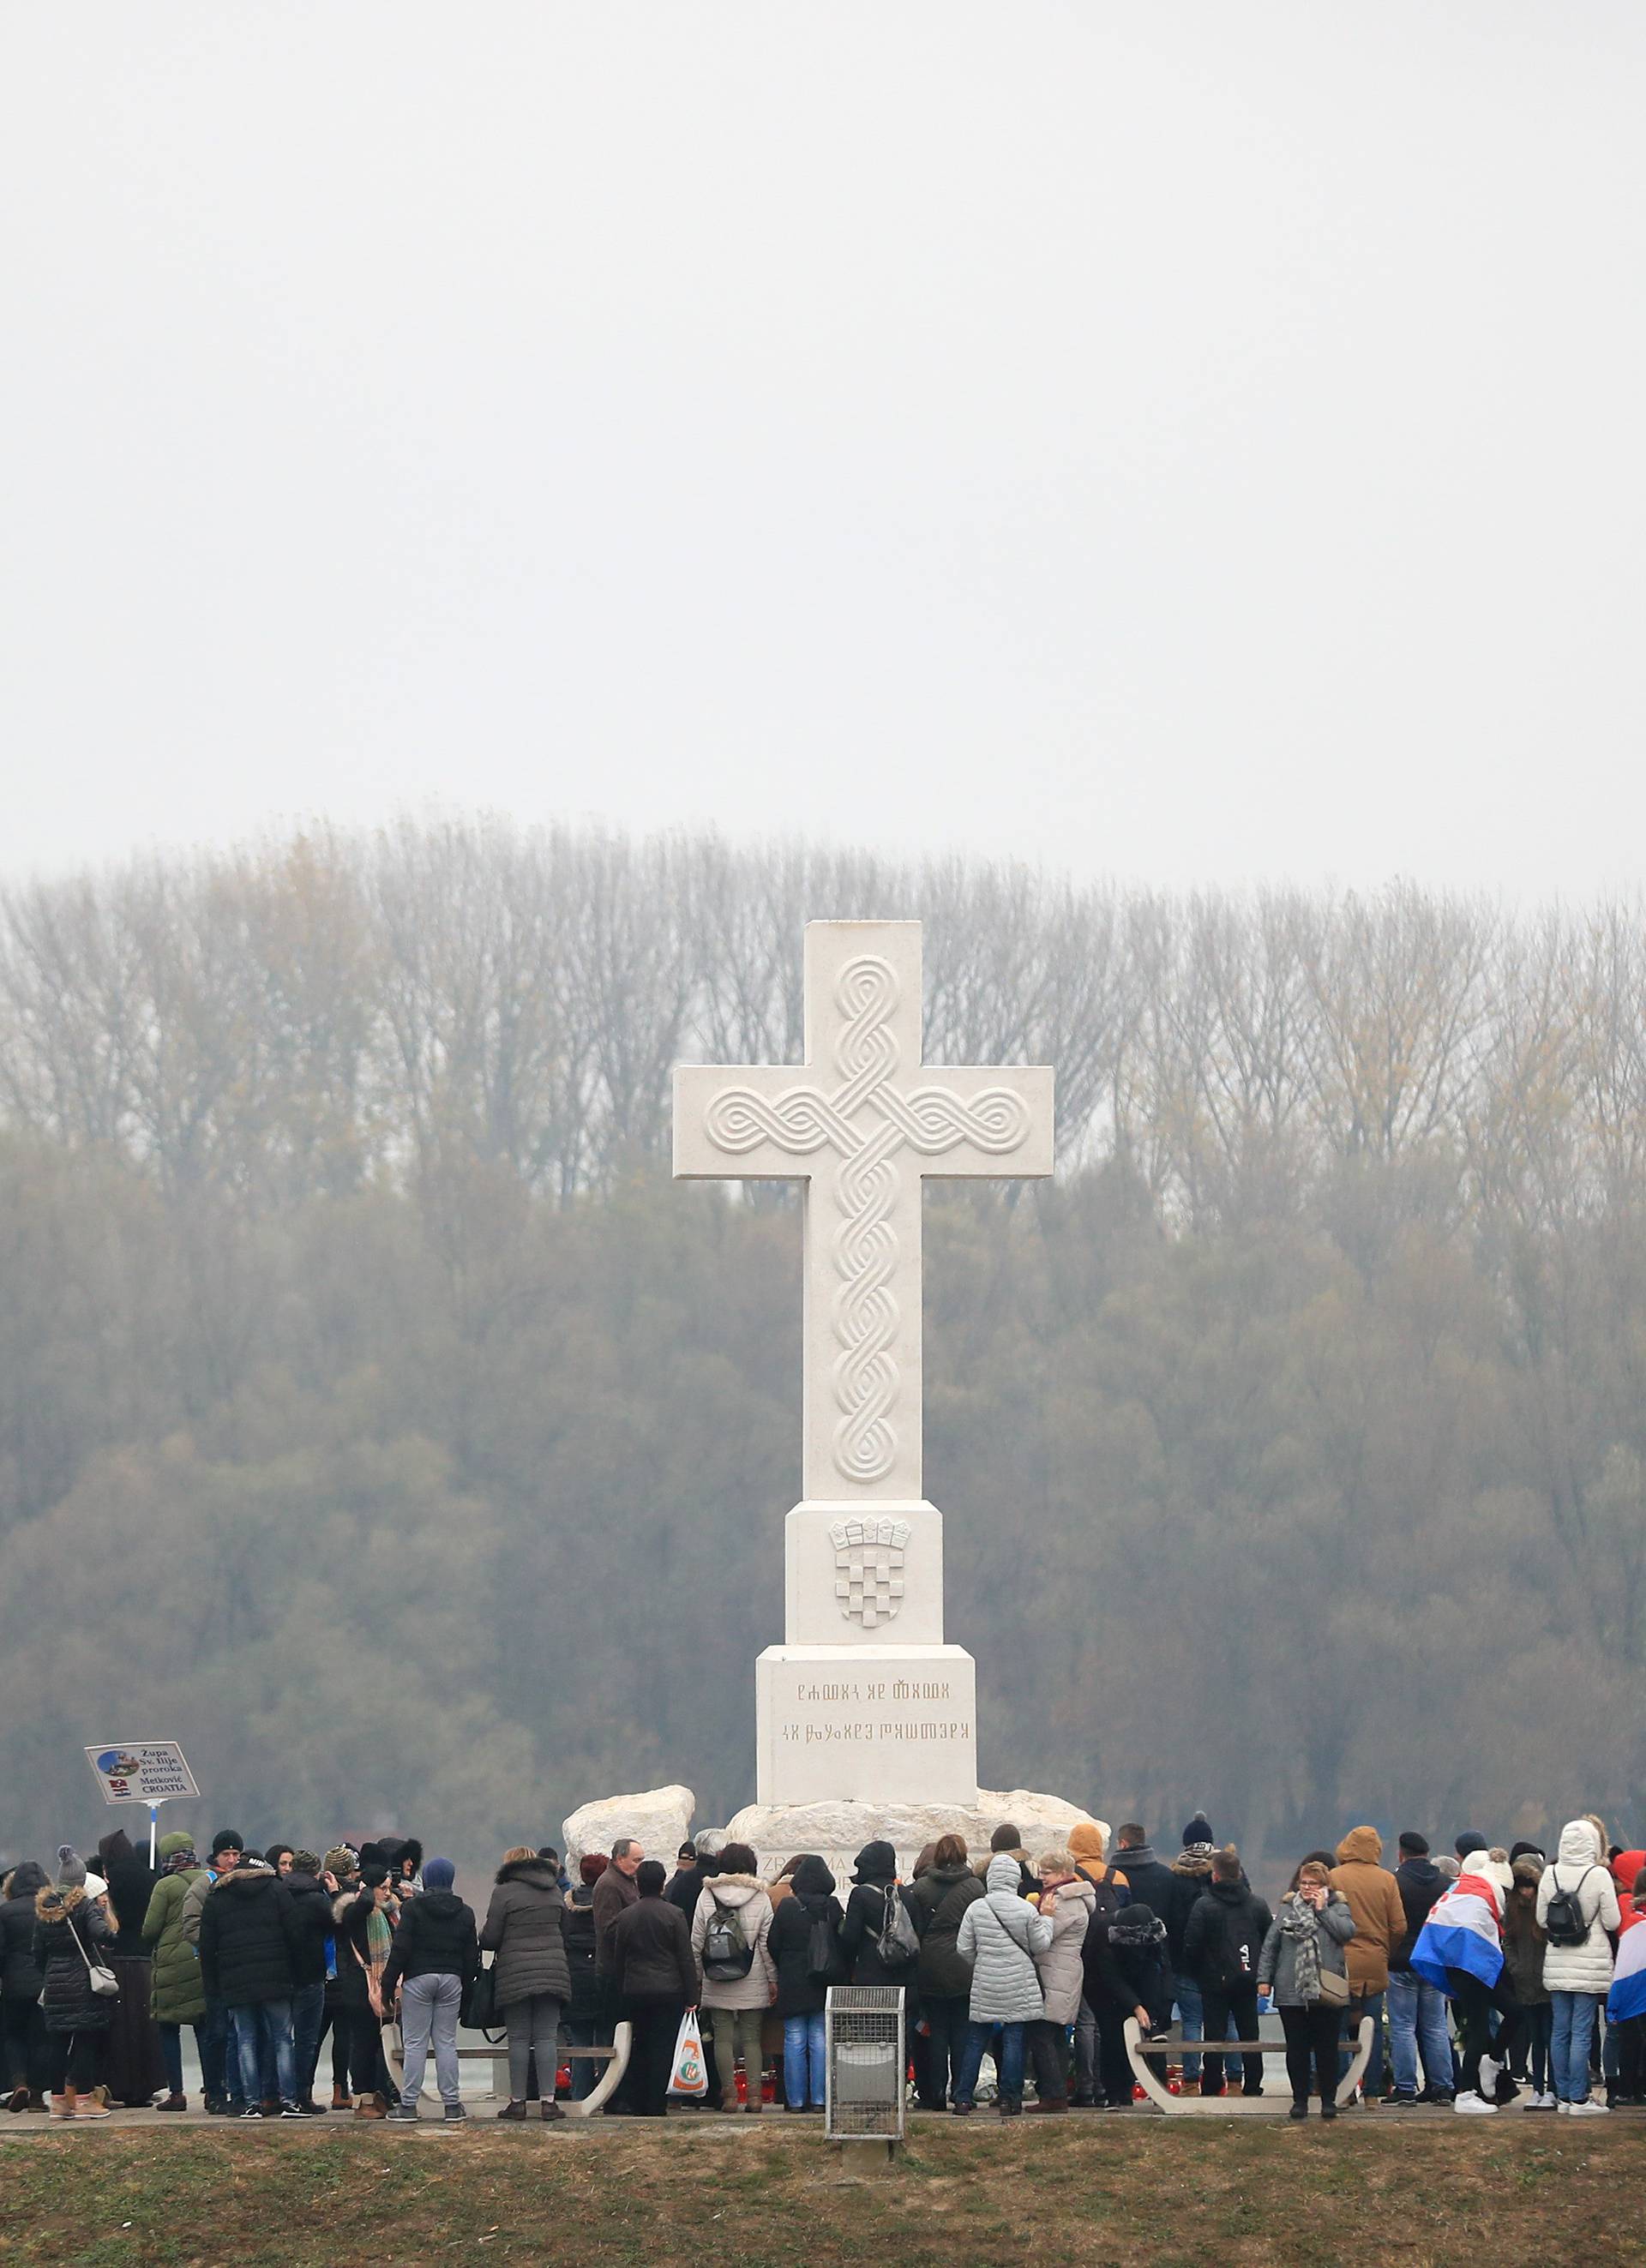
(688, 2076)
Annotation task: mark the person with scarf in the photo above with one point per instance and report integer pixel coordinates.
(999, 1938)
(1128, 1974)
(1305, 1940)
(363, 1922)
(178, 1996)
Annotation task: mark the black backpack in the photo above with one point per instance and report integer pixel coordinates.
(1563, 1923)
(726, 1953)
(825, 1964)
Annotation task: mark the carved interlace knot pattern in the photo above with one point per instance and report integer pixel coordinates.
(867, 1120)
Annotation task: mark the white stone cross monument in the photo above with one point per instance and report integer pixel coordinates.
(863, 1703)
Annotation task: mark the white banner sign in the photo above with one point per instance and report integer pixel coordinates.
(141, 1771)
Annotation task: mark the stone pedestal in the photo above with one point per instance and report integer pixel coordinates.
(833, 1722)
(838, 1831)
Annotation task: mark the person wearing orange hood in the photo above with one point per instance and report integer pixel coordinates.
(1086, 1848)
(1374, 1899)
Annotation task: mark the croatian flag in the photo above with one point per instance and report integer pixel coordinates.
(1628, 1996)
(1461, 1932)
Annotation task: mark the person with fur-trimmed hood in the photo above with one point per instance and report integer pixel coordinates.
(739, 1987)
(1192, 1875)
(71, 1927)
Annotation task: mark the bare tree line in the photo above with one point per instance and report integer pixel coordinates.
(303, 1017)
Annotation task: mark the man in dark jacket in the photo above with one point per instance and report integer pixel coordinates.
(1417, 2011)
(25, 2045)
(311, 1926)
(1222, 1942)
(685, 1884)
(655, 1980)
(794, 1944)
(936, 1901)
(247, 1945)
(435, 1956)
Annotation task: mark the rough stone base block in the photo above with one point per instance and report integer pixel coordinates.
(658, 1818)
(833, 1722)
(838, 1831)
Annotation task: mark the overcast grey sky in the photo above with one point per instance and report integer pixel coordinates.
(1191, 441)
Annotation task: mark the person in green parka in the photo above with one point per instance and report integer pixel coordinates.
(179, 1997)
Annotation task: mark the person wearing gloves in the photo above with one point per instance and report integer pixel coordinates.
(731, 1933)
(1578, 1914)
(72, 1925)
(1068, 1899)
(1306, 1939)
(1000, 1937)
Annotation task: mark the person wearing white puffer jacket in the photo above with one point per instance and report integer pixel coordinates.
(1001, 1936)
(1577, 1974)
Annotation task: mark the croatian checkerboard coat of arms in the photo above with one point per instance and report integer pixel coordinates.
(868, 1555)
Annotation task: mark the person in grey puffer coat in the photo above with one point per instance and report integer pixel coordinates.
(1001, 1934)
(534, 1979)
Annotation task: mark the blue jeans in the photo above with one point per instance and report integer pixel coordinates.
(1010, 2064)
(1417, 2024)
(309, 2014)
(1572, 2032)
(171, 2052)
(1192, 2016)
(259, 2024)
(803, 2060)
(219, 2066)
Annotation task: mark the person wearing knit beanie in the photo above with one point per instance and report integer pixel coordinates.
(70, 1868)
(592, 1866)
(1197, 1836)
(438, 1874)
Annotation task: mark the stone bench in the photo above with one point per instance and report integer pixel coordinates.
(616, 2058)
(1143, 2052)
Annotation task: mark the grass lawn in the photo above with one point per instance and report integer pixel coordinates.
(1074, 2191)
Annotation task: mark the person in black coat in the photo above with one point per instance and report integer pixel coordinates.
(432, 1961)
(582, 2021)
(249, 1939)
(655, 1978)
(71, 1930)
(134, 2066)
(311, 1894)
(1124, 1965)
(23, 2053)
(806, 1925)
(1222, 1942)
(865, 1920)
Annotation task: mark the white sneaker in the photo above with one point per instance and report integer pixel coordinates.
(1590, 2109)
(1490, 2069)
(1562, 2107)
(1475, 2106)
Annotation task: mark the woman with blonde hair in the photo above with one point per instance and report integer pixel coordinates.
(1303, 1947)
(534, 1977)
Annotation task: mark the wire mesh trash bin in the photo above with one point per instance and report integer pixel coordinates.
(863, 2061)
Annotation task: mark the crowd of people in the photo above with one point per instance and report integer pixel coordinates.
(1489, 1975)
